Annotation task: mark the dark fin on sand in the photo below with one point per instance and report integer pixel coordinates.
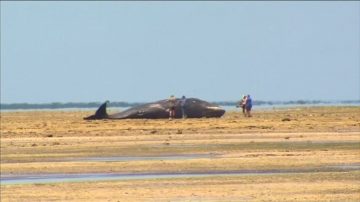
(100, 113)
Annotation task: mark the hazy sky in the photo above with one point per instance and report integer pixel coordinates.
(146, 51)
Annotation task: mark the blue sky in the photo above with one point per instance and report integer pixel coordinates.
(146, 51)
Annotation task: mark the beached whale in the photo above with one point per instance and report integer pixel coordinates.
(194, 108)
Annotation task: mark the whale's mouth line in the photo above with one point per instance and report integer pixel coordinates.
(10, 179)
(214, 108)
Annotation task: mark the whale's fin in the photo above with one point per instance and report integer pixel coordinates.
(100, 113)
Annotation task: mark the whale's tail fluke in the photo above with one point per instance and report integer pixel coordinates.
(100, 113)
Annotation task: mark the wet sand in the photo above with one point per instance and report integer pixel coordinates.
(313, 139)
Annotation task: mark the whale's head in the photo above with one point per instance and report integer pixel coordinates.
(198, 108)
(214, 111)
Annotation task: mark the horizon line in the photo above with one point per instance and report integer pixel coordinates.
(223, 101)
(66, 105)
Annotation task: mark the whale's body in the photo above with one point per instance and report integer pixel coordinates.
(193, 107)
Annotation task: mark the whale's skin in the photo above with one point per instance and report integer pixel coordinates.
(194, 108)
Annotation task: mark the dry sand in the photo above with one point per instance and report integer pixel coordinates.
(313, 139)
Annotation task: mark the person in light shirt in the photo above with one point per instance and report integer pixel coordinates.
(172, 105)
(182, 104)
(242, 104)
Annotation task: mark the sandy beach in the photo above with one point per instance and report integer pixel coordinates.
(296, 154)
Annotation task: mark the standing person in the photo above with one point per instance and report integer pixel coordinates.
(248, 105)
(242, 103)
(172, 104)
(182, 104)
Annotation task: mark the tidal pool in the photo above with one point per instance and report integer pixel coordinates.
(57, 178)
(82, 177)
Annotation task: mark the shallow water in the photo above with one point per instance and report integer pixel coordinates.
(355, 166)
(85, 177)
(57, 178)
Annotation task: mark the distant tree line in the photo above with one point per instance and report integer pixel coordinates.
(296, 102)
(59, 105)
